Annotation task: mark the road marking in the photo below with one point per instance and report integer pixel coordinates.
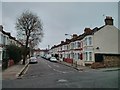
(59, 71)
(56, 65)
(49, 66)
(62, 80)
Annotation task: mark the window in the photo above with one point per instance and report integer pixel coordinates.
(90, 56)
(78, 44)
(61, 48)
(78, 56)
(0, 55)
(0, 37)
(72, 45)
(75, 45)
(90, 40)
(72, 55)
(86, 56)
(67, 47)
(85, 41)
(4, 40)
(75, 56)
(60, 55)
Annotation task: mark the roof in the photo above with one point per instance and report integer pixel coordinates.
(9, 35)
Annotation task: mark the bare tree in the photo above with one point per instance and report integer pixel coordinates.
(31, 28)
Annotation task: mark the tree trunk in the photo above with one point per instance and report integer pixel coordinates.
(25, 55)
(24, 59)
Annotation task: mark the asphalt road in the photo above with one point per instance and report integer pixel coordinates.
(46, 74)
(0, 78)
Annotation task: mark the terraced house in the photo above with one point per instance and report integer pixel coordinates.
(6, 39)
(100, 44)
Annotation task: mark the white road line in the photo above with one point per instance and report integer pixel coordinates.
(59, 71)
(56, 65)
(49, 66)
(56, 69)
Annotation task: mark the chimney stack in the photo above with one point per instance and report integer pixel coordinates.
(67, 40)
(1, 27)
(87, 31)
(108, 20)
(74, 35)
(62, 42)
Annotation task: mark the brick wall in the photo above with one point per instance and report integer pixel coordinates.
(112, 61)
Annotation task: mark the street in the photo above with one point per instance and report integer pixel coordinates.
(46, 74)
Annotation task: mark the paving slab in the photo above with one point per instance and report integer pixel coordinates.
(13, 71)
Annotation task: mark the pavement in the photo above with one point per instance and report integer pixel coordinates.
(14, 71)
(88, 68)
(78, 67)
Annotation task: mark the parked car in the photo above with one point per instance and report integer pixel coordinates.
(53, 59)
(33, 60)
(48, 56)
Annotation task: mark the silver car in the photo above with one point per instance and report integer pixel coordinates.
(33, 60)
(53, 59)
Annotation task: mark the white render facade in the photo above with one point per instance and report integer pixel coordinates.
(104, 40)
(88, 52)
(6, 39)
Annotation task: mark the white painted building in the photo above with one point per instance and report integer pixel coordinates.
(103, 40)
(88, 53)
(106, 40)
(6, 39)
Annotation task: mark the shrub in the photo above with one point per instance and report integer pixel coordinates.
(14, 52)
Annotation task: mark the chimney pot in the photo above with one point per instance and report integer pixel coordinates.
(1, 27)
(67, 40)
(108, 20)
(62, 42)
(74, 35)
(87, 31)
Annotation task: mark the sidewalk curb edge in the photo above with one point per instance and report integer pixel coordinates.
(22, 70)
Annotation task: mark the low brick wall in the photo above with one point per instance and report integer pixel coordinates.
(112, 60)
(68, 60)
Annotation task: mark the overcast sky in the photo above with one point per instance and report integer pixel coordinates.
(60, 17)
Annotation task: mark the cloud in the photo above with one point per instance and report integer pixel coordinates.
(60, 0)
(60, 17)
(1, 13)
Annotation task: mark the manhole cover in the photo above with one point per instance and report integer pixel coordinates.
(62, 80)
